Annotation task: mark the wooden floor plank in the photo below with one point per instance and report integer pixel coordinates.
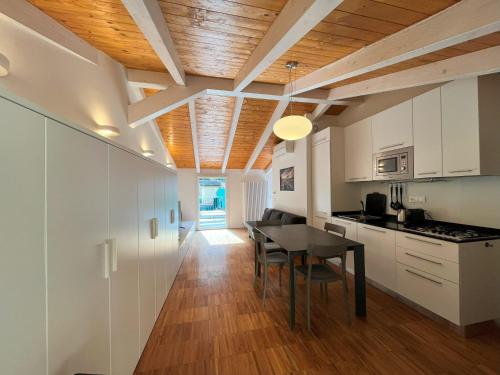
(214, 322)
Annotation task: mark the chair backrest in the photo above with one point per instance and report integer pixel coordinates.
(267, 223)
(323, 251)
(260, 239)
(336, 229)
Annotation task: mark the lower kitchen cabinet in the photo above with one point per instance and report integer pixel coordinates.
(380, 254)
(351, 233)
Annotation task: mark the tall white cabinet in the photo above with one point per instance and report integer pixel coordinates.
(22, 222)
(82, 273)
(358, 151)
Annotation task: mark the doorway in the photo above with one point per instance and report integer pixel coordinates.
(212, 209)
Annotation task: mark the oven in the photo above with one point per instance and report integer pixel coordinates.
(393, 165)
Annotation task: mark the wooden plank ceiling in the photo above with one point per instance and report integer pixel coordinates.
(215, 38)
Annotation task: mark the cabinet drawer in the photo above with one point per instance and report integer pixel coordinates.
(430, 246)
(435, 266)
(435, 294)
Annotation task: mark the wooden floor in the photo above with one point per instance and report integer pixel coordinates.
(214, 322)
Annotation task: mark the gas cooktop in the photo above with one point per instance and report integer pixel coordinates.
(452, 232)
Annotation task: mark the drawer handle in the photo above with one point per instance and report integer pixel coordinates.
(357, 178)
(418, 239)
(487, 244)
(390, 146)
(375, 230)
(461, 170)
(426, 173)
(422, 258)
(423, 277)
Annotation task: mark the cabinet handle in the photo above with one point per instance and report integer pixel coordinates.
(422, 258)
(114, 254)
(461, 170)
(423, 277)
(105, 263)
(418, 239)
(357, 178)
(154, 228)
(375, 230)
(390, 146)
(425, 173)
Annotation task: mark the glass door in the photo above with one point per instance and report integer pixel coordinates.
(212, 203)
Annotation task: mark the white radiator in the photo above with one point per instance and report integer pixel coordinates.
(255, 199)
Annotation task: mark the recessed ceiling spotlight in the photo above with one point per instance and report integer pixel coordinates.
(4, 66)
(107, 130)
(148, 153)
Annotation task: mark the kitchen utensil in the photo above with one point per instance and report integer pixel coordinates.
(401, 196)
(397, 204)
(376, 204)
(392, 197)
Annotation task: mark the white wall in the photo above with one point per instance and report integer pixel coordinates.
(188, 192)
(296, 201)
(69, 87)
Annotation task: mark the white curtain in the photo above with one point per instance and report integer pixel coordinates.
(255, 199)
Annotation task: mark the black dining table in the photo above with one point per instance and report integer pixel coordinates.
(295, 239)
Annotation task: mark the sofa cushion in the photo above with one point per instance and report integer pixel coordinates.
(275, 215)
(289, 218)
(267, 213)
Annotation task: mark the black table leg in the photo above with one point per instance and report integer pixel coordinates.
(291, 288)
(359, 280)
(257, 264)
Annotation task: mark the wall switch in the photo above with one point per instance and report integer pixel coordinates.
(417, 199)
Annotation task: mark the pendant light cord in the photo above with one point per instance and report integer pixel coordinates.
(290, 89)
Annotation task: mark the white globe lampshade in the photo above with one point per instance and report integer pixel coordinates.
(293, 127)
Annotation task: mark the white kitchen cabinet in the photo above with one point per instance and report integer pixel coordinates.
(161, 241)
(321, 178)
(351, 233)
(392, 128)
(77, 230)
(358, 151)
(22, 233)
(428, 157)
(124, 256)
(470, 113)
(147, 264)
(380, 254)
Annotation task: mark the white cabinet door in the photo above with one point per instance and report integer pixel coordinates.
(358, 151)
(321, 183)
(392, 128)
(351, 233)
(380, 254)
(161, 242)
(22, 233)
(428, 157)
(123, 233)
(460, 115)
(147, 280)
(77, 228)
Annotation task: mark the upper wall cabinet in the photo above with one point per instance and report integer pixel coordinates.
(471, 134)
(392, 128)
(358, 151)
(428, 158)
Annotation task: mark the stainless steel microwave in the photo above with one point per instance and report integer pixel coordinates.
(393, 165)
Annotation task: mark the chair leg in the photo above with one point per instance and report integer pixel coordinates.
(326, 292)
(346, 301)
(309, 307)
(281, 269)
(265, 285)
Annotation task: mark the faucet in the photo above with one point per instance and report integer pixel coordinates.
(362, 208)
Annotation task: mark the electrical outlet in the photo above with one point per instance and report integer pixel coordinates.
(417, 199)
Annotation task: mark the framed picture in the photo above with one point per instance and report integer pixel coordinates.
(287, 179)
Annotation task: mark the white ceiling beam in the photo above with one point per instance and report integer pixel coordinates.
(46, 27)
(176, 96)
(149, 80)
(295, 20)
(319, 111)
(136, 94)
(194, 134)
(278, 112)
(477, 63)
(148, 15)
(461, 22)
(238, 103)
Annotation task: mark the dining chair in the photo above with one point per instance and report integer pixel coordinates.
(338, 230)
(270, 246)
(267, 259)
(322, 273)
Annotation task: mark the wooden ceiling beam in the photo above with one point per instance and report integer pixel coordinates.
(459, 23)
(295, 20)
(194, 134)
(232, 131)
(175, 96)
(148, 15)
(46, 27)
(477, 63)
(149, 80)
(278, 112)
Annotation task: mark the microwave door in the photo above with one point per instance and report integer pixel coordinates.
(387, 165)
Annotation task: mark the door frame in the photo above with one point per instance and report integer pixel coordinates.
(198, 200)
